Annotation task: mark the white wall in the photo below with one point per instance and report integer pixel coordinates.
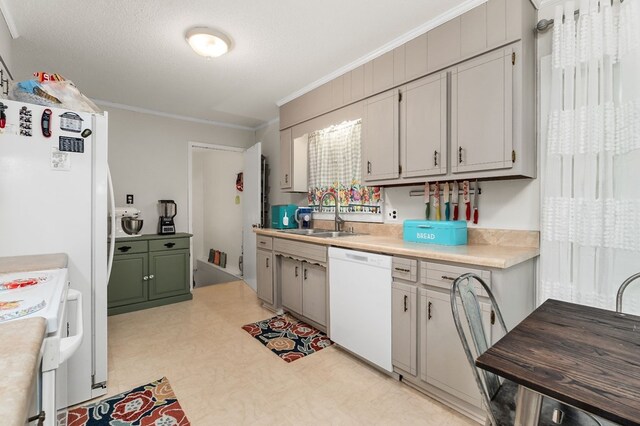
(270, 138)
(222, 217)
(148, 158)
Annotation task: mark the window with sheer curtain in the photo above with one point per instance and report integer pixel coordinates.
(335, 166)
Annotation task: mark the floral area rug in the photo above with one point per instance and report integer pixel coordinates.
(288, 337)
(153, 404)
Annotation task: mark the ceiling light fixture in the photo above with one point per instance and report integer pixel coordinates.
(208, 42)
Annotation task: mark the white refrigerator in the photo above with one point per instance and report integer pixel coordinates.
(53, 199)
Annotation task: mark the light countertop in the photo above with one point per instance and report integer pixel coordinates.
(19, 362)
(491, 256)
(38, 262)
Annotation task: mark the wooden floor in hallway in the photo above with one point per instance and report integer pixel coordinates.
(223, 376)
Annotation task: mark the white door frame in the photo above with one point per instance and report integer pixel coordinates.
(191, 147)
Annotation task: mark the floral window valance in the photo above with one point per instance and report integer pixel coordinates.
(335, 165)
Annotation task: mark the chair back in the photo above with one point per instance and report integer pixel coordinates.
(622, 288)
(463, 291)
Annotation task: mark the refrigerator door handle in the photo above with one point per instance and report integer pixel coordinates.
(69, 345)
(112, 237)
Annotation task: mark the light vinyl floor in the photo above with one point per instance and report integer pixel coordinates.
(223, 376)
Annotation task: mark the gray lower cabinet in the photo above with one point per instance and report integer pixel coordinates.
(404, 336)
(304, 289)
(149, 271)
(264, 260)
(443, 361)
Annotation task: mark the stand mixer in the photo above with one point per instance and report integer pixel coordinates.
(128, 223)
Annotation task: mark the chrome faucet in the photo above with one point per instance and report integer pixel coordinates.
(338, 221)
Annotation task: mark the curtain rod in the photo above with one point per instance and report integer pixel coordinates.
(544, 24)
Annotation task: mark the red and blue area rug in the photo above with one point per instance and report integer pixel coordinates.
(288, 337)
(153, 404)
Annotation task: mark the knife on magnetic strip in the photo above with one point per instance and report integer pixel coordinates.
(427, 197)
(454, 199)
(447, 207)
(436, 200)
(466, 199)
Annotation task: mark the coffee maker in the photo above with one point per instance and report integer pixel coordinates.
(168, 210)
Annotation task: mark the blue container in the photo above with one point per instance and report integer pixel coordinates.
(446, 233)
(283, 216)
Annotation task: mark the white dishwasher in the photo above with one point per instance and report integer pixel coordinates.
(360, 304)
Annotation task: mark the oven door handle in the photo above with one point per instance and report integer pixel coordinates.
(69, 345)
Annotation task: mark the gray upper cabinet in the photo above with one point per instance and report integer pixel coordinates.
(481, 113)
(443, 45)
(415, 57)
(357, 83)
(286, 143)
(424, 127)
(473, 31)
(381, 137)
(496, 11)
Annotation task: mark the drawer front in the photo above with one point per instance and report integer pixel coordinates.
(130, 247)
(442, 275)
(265, 243)
(404, 269)
(169, 244)
(300, 250)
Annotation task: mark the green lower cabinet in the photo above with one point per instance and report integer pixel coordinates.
(168, 273)
(149, 271)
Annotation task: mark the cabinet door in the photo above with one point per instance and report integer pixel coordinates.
(127, 283)
(481, 113)
(473, 31)
(286, 143)
(168, 273)
(404, 317)
(424, 127)
(264, 260)
(314, 292)
(443, 361)
(443, 45)
(291, 282)
(381, 137)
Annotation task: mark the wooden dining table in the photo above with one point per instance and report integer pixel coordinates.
(585, 357)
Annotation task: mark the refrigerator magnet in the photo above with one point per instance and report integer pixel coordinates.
(60, 160)
(71, 122)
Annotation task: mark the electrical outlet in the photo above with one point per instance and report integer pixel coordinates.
(129, 198)
(392, 215)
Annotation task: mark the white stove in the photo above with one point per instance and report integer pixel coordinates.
(45, 294)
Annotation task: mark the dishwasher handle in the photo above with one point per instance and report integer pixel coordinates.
(357, 257)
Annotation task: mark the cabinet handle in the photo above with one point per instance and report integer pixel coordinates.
(460, 155)
(169, 245)
(444, 277)
(151, 277)
(286, 178)
(267, 259)
(402, 270)
(369, 167)
(429, 311)
(124, 249)
(263, 242)
(493, 317)
(405, 303)
(304, 273)
(145, 278)
(296, 271)
(435, 158)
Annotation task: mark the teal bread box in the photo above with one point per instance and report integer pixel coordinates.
(446, 233)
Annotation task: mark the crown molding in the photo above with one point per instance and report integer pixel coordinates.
(174, 116)
(267, 124)
(8, 18)
(399, 41)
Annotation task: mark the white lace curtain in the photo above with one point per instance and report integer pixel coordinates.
(334, 155)
(591, 159)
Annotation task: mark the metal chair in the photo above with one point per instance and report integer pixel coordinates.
(622, 288)
(498, 394)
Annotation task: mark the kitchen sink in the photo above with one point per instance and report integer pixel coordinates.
(335, 234)
(303, 231)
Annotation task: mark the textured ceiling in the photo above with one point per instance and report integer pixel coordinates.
(133, 52)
